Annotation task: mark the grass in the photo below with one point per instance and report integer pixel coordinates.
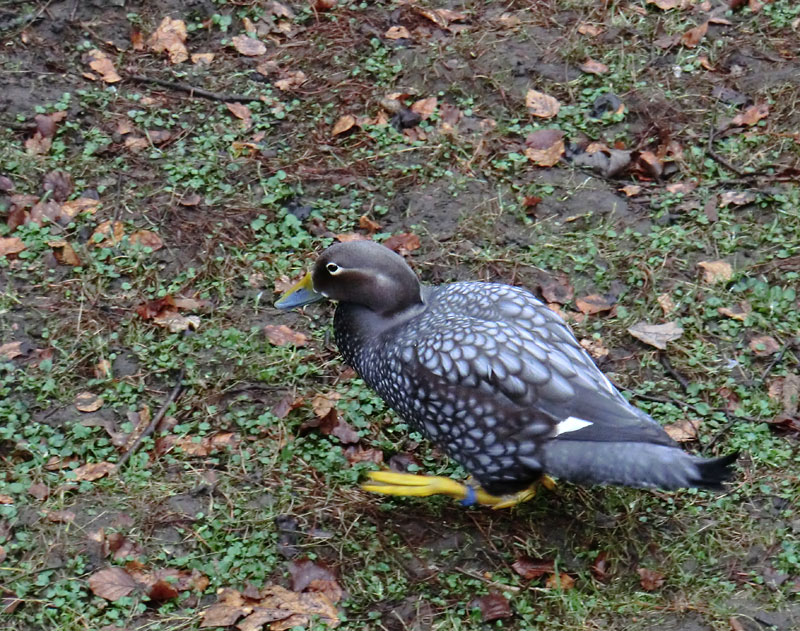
(273, 194)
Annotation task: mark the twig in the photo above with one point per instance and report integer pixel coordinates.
(718, 158)
(156, 420)
(775, 361)
(682, 382)
(193, 91)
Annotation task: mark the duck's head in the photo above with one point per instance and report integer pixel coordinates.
(358, 272)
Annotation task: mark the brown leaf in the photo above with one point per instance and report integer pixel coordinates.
(10, 350)
(147, 239)
(631, 190)
(544, 147)
(47, 124)
(101, 64)
(560, 581)
(293, 79)
(152, 308)
(764, 345)
(59, 183)
(248, 46)
(190, 199)
(240, 111)
(397, 32)
(162, 590)
(170, 37)
(222, 615)
(529, 568)
(80, 205)
(716, 271)
(39, 490)
(649, 163)
(356, 453)
(541, 105)
(590, 66)
(2, 557)
(304, 572)
(751, 115)
(65, 254)
(335, 425)
(684, 431)
(739, 311)
(93, 471)
(11, 245)
(403, 243)
(692, 37)
(650, 580)
(595, 303)
(557, 290)
(493, 607)
(202, 59)
(6, 184)
(61, 516)
(88, 402)
(736, 198)
(656, 334)
(595, 348)
(282, 335)
(365, 223)
(668, 4)
(108, 234)
(666, 303)
(425, 107)
(584, 28)
(6, 499)
(345, 123)
(112, 583)
(600, 568)
(324, 402)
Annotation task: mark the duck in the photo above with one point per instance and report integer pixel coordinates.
(495, 379)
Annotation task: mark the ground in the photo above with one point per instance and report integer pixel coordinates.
(145, 231)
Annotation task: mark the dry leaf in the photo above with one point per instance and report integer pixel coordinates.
(6, 499)
(248, 46)
(541, 104)
(590, 66)
(683, 431)
(595, 348)
(669, 4)
(425, 107)
(631, 189)
(600, 568)
(80, 205)
(529, 568)
(102, 369)
(61, 516)
(93, 471)
(558, 290)
(716, 271)
(365, 223)
(751, 115)
(595, 303)
(108, 234)
(584, 28)
(738, 311)
(240, 111)
(736, 198)
(650, 580)
(112, 583)
(39, 490)
(324, 402)
(11, 245)
(202, 59)
(560, 581)
(10, 350)
(100, 63)
(345, 123)
(656, 334)
(397, 32)
(175, 322)
(282, 335)
(170, 37)
(293, 79)
(692, 37)
(147, 239)
(493, 607)
(666, 303)
(64, 253)
(403, 243)
(88, 402)
(544, 147)
(764, 345)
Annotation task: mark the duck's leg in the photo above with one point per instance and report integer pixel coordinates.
(410, 485)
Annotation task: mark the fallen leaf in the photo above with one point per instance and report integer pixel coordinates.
(584, 28)
(190, 199)
(61, 516)
(170, 37)
(560, 581)
(631, 190)
(175, 322)
(324, 402)
(716, 271)
(147, 239)
(10, 350)
(345, 123)
(286, 404)
(590, 66)
(202, 59)
(736, 198)
(403, 243)
(100, 63)
(544, 147)
(397, 32)
(2, 554)
(248, 46)
(365, 223)
(493, 607)
(666, 303)
(508, 20)
(425, 107)
(39, 490)
(64, 253)
(683, 431)
(332, 424)
(692, 37)
(353, 236)
(293, 79)
(751, 115)
(600, 568)
(356, 453)
(282, 335)
(739, 311)
(684, 186)
(6, 499)
(669, 4)
(595, 303)
(557, 290)
(541, 105)
(314, 576)
(158, 306)
(656, 334)
(595, 348)
(93, 471)
(529, 568)
(108, 234)
(764, 345)
(649, 163)
(324, 5)
(88, 402)
(6, 184)
(11, 245)
(650, 580)
(240, 111)
(112, 583)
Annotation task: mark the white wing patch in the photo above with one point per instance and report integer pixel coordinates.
(570, 424)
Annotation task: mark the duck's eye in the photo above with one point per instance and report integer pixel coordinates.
(333, 269)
